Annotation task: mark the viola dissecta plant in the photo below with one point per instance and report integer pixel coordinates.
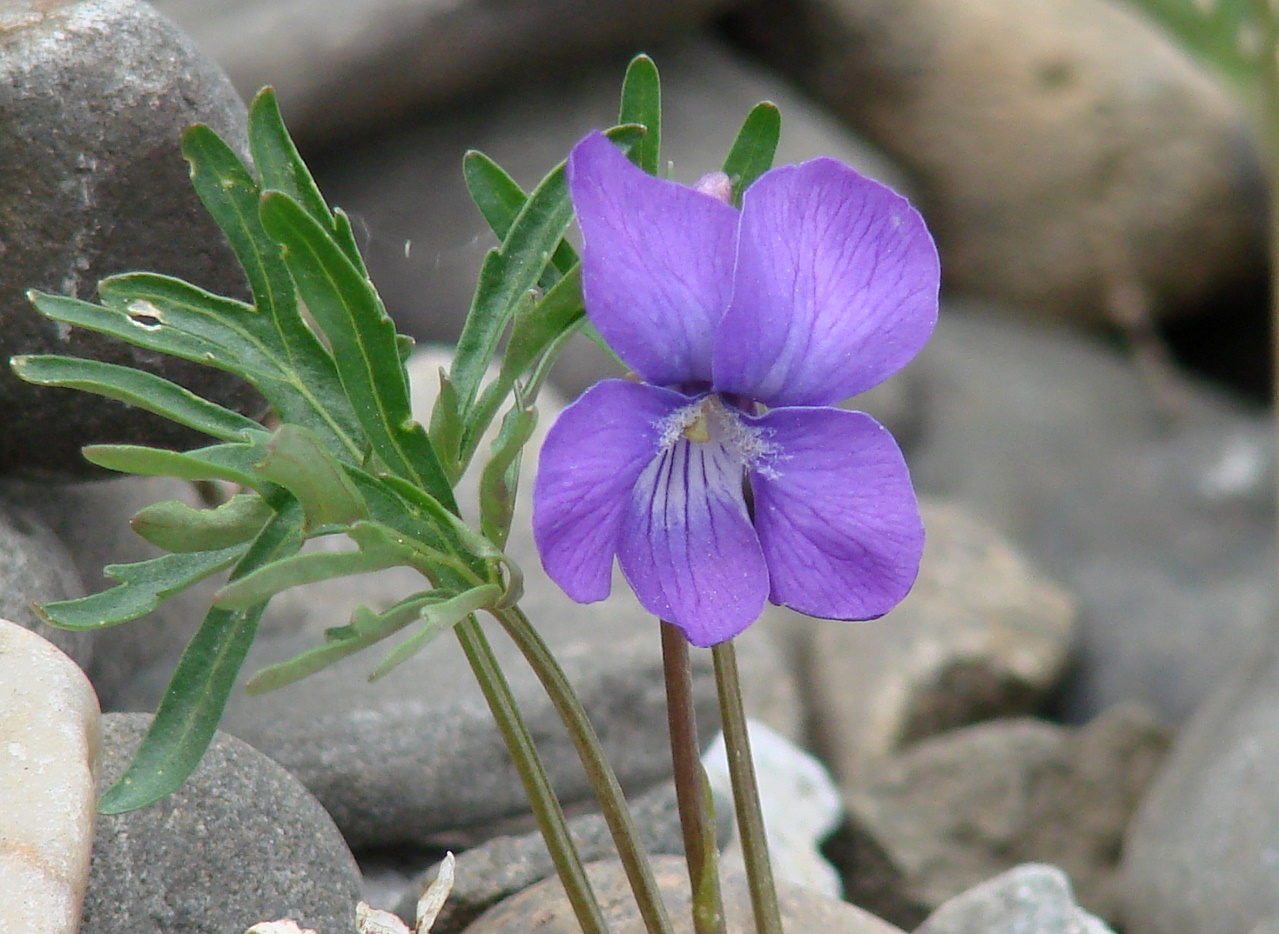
(722, 478)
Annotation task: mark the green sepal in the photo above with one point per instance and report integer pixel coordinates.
(642, 105)
(365, 629)
(181, 528)
(143, 586)
(378, 548)
(753, 151)
(437, 618)
(192, 707)
(138, 388)
(299, 462)
(500, 478)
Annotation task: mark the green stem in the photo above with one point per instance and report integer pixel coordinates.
(546, 807)
(598, 771)
(741, 768)
(692, 793)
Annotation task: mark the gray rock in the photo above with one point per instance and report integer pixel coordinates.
(1201, 855)
(1158, 522)
(35, 568)
(1067, 151)
(359, 67)
(94, 96)
(505, 866)
(240, 842)
(545, 907)
(415, 758)
(1030, 899)
(981, 635)
(424, 239)
(957, 809)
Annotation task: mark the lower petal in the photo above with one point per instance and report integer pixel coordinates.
(591, 459)
(687, 545)
(836, 514)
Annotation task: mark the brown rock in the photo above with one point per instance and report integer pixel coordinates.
(545, 909)
(981, 635)
(1062, 148)
(960, 808)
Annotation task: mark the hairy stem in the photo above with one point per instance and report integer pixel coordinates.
(691, 790)
(598, 770)
(546, 807)
(741, 768)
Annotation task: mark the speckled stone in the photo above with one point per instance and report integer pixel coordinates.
(94, 96)
(241, 842)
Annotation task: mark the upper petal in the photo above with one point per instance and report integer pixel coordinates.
(835, 287)
(657, 263)
(590, 461)
(687, 546)
(835, 514)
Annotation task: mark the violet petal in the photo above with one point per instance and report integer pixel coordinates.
(687, 546)
(591, 459)
(835, 287)
(835, 514)
(657, 263)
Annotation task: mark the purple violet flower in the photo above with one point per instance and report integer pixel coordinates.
(746, 328)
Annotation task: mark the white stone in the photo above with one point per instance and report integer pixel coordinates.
(49, 745)
(800, 803)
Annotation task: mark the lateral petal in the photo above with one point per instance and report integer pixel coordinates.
(657, 263)
(835, 287)
(590, 462)
(687, 546)
(836, 514)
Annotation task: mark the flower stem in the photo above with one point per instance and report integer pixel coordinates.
(692, 791)
(546, 807)
(598, 770)
(741, 768)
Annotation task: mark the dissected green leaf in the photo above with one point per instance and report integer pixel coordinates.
(188, 715)
(510, 271)
(499, 481)
(752, 152)
(446, 428)
(437, 618)
(365, 629)
(378, 548)
(235, 463)
(231, 196)
(347, 308)
(179, 527)
(144, 585)
(642, 105)
(299, 462)
(534, 330)
(500, 200)
(138, 388)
